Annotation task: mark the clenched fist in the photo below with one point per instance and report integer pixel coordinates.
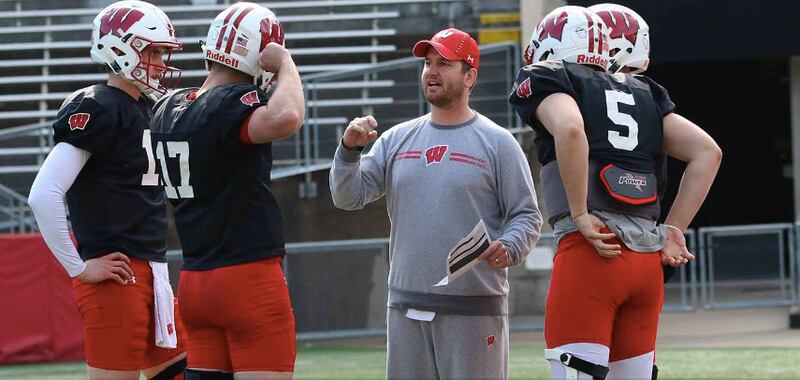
(360, 132)
(272, 57)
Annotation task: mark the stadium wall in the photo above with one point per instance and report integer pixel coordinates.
(39, 321)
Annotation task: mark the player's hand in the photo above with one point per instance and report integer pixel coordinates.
(273, 57)
(675, 252)
(590, 226)
(496, 255)
(360, 132)
(113, 266)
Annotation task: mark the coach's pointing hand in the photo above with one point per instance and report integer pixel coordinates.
(360, 132)
(113, 266)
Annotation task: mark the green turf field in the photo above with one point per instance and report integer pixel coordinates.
(526, 363)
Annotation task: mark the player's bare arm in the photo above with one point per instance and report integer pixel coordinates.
(360, 132)
(561, 117)
(687, 142)
(284, 113)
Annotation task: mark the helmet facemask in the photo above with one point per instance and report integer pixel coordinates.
(142, 74)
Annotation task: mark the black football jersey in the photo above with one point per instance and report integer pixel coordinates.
(115, 202)
(622, 114)
(224, 210)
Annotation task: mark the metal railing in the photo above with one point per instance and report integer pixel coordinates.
(768, 276)
(25, 156)
(17, 216)
(339, 288)
(403, 100)
(681, 292)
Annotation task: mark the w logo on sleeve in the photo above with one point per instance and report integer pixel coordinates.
(78, 121)
(435, 154)
(249, 98)
(524, 89)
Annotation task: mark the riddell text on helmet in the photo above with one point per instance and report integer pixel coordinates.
(221, 58)
(593, 59)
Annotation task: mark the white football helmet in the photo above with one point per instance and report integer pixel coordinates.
(122, 31)
(239, 34)
(571, 33)
(628, 37)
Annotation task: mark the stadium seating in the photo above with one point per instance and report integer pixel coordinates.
(44, 57)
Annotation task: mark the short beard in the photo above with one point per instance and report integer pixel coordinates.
(447, 97)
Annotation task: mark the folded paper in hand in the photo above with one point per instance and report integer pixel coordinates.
(465, 254)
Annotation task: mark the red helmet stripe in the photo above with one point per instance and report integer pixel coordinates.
(231, 37)
(225, 24)
(600, 44)
(241, 16)
(591, 31)
(236, 22)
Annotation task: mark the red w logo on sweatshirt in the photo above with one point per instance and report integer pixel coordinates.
(435, 154)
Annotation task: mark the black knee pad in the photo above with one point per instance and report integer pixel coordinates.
(655, 373)
(170, 372)
(192, 374)
(598, 372)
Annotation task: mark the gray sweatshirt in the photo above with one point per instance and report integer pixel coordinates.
(439, 181)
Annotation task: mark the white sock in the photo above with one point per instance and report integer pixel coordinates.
(637, 367)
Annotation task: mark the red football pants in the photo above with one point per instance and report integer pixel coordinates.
(615, 302)
(239, 318)
(118, 322)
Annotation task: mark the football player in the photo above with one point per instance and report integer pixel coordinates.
(629, 52)
(103, 163)
(213, 145)
(599, 137)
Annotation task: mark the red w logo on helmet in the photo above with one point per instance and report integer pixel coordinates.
(118, 20)
(553, 26)
(78, 121)
(621, 24)
(271, 31)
